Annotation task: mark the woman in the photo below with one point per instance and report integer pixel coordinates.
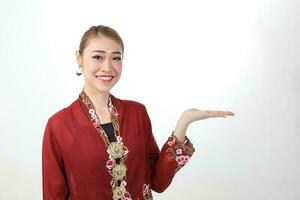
(102, 147)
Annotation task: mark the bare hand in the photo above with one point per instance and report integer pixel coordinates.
(191, 115)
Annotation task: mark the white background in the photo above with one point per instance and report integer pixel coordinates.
(236, 55)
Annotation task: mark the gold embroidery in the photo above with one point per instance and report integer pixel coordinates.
(116, 150)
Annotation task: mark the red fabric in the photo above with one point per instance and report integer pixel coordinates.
(74, 155)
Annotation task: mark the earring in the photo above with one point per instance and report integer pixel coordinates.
(79, 71)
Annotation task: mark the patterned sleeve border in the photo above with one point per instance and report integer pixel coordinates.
(179, 151)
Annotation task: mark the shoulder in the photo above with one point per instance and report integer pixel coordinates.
(133, 108)
(130, 105)
(63, 115)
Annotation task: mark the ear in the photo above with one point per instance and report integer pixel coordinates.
(78, 58)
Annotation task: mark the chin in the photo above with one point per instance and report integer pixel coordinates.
(104, 88)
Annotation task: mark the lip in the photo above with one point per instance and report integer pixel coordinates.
(104, 76)
(105, 81)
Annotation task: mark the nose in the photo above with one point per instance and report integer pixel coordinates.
(106, 65)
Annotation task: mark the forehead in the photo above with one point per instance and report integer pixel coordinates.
(103, 43)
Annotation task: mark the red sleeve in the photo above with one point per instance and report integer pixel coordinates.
(54, 181)
(165, 163)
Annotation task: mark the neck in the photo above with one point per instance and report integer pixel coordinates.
(99, 99)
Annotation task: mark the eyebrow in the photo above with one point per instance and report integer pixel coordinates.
(101, 51)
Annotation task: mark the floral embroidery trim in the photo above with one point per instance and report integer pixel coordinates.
(116, 150)
(147, 194)
(179, 151)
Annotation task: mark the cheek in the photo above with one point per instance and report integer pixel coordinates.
(94, 63)
(89, 64)
(118, 68)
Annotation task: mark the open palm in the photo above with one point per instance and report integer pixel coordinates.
(191, 115)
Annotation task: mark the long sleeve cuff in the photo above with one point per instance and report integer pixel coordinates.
(179, 151)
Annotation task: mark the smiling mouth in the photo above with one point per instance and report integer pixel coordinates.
(104, 77)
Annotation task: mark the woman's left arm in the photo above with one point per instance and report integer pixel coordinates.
(177, 150)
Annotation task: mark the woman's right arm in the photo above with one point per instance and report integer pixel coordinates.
(54, 178)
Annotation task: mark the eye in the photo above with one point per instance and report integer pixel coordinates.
(117, 58)
(98, 57)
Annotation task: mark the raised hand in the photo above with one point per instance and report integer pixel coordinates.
(191, 115)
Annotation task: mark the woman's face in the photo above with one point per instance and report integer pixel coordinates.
(101, 63)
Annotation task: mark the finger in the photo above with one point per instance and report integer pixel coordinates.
(230, 113)
(222, 114)
(212, 114)
(218, 113)
(225, 113)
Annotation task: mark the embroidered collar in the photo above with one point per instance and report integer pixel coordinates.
(117, 151)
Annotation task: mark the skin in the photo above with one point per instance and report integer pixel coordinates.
(101, 56)
(109, 62)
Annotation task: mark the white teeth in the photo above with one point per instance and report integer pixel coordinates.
(104, 78)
